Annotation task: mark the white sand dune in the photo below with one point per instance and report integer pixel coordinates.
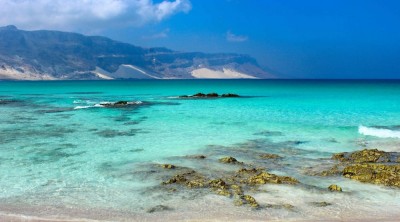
(205, 73)
(124, 72)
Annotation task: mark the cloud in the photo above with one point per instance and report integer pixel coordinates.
(87, 14)
(230, 37)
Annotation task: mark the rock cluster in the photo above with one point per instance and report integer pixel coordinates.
(371, 166)
(232, 184)
(210, 95)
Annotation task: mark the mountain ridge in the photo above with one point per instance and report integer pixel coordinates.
(56, 55)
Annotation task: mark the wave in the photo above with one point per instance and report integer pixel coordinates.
(83, 107)
(378, 132)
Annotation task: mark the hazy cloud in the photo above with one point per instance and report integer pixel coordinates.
(87, 14)
(230, 37)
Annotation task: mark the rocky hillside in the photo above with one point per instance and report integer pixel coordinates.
(51, 55)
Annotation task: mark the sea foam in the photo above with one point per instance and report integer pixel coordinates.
(382, 133)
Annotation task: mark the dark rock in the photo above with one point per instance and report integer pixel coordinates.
(199, 95)
(167, 166)
(335, 188)
(212, 95)
(320, 204)
(230, 95)
(196, 156)
(158, 208)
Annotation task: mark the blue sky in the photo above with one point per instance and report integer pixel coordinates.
(299, 39)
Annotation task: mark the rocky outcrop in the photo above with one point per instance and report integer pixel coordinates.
(229, 160)
(209, 96)
(388, 175)
(371, 166)
(230, 184)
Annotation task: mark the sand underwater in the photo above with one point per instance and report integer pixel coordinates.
(282, 151)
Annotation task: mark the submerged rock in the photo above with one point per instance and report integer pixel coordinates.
(168, 166)
(335, 188)
(158, 208)
(320, 204)
(230, 95)
(269, 156)
(119, 104)
(196, 156)
(230, 160)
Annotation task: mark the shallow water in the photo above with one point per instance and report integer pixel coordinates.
(63, 154)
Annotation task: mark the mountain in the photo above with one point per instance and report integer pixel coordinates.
(54, 55)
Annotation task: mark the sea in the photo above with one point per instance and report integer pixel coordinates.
(67, 155)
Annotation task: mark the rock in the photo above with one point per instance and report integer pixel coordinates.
(121, 103)
(218, 183)
(168, 166)
(158, 208)
(265, 177)
(237, 190)
(251, 201)
(179, 179)
(229, 160)
(247, 171)
(363, 156)
(212, 95)
(230, 95)
(320, 204)
(335, 188)
(196, 183)
(197, 156)
(209, 95)
(199, 95)
(388, 175)
(334, 171)
(269, 156)
(226, 193)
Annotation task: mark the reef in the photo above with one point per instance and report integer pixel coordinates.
(209, 95)
(120, 104)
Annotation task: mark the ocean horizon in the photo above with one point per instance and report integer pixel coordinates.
(153, 150)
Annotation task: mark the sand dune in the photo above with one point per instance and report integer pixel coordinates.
(205, 73)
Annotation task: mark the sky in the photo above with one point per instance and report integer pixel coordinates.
(293, 38)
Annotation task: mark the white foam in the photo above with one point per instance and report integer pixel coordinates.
(382, 133)
(83, 107)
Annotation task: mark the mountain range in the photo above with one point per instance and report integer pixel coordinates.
(55, 55)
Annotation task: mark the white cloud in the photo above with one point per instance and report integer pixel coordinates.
(230, 37)
(87, 14)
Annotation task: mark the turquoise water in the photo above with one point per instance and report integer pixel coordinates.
(61, 153)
